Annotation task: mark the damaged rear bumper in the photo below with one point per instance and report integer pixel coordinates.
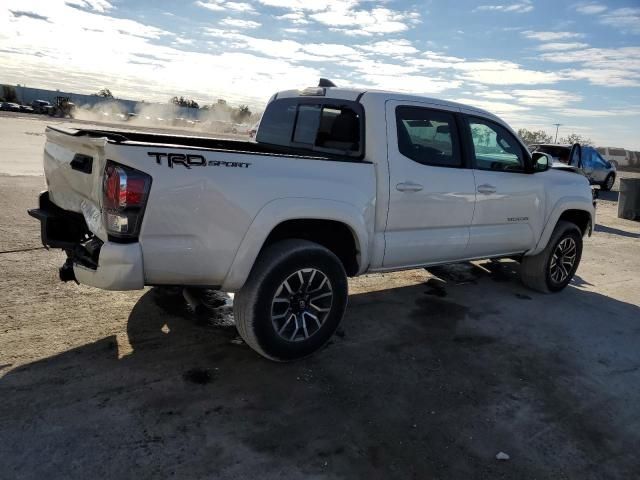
(90, 261)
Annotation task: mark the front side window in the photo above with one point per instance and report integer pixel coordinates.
(495, 148)
(428, 136)
(312, 126)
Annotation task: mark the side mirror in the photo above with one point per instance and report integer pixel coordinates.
(541, 162)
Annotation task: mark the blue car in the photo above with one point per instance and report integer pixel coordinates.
(587, 159)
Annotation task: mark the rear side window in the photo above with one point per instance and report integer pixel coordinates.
(428, 136)
(322, 126)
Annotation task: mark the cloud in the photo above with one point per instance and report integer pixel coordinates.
(285, 49)
(223, 5)
(550, 36)
(32, 15)
(396, 47)
(608, 67)
(101, 6)
(546, 97)
(499, 72)
(214, 5)
(350, 17)
(590, 8)
(138, 60)
(560, 46)
(368, 22)
(624, 19)
(297, 4)
(295, 17)
(294, 31)
(520, 7)
(415, 84)
(240, 7)
(586, 112)
(239, 23)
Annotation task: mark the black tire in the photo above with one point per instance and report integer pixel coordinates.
(608, 182)
(254, 304)
(536, 271)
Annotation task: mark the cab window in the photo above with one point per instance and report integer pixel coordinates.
(495, 148)
(317, 125)
(428, 136)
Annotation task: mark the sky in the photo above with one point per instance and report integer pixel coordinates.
(532, 62)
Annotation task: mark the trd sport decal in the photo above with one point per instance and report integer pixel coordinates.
(189, 160)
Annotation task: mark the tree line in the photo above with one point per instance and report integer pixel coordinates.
(531, 137)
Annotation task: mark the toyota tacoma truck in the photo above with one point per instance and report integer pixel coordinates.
(339, 183)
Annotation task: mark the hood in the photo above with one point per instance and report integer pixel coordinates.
(566, 168)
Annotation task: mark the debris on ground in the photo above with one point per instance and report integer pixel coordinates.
(502, 456)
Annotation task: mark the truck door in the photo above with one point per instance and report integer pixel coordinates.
(575, 156)
(432, 193)
(594, 166)
(509, 211)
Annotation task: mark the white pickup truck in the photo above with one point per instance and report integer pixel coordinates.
(339, 183)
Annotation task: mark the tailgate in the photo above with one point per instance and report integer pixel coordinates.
(73, 167)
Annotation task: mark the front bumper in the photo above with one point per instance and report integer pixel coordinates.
(106, 265)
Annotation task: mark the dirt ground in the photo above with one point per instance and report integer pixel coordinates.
(431, 375)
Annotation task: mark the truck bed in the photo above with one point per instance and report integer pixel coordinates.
(133, 137)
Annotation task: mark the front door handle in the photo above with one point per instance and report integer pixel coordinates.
(409, 187)
(486, 189)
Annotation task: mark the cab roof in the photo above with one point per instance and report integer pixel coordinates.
(355, 94)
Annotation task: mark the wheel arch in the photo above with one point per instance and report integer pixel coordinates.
(573, 210)
(327, 222)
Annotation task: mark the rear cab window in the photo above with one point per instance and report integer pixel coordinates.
(324, 125)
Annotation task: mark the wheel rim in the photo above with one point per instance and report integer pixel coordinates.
(301, 305)
(563, 260)
(610, 181)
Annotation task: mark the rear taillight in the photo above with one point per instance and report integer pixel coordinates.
(124, 197)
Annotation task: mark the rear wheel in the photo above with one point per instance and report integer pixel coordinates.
(293, 301)
(608, 183)
(553, 268)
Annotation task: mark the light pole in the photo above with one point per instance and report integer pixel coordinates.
(558, 125)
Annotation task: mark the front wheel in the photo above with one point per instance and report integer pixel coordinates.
(293, 301)
(608, 183)
(553, 268)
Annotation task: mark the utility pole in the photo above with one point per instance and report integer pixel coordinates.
(558, 125)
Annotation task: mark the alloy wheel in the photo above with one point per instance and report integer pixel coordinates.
(563, 260)
(301, 305)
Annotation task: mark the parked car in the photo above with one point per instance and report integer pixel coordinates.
(253, 130)
(41, 106)
(598, 170)
(9, 107)
(619, 157)
(339, 183)
(26, 109)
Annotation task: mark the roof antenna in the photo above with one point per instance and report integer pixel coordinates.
(324, 82)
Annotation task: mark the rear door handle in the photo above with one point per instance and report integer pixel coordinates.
(409, 187)
(486, 189)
